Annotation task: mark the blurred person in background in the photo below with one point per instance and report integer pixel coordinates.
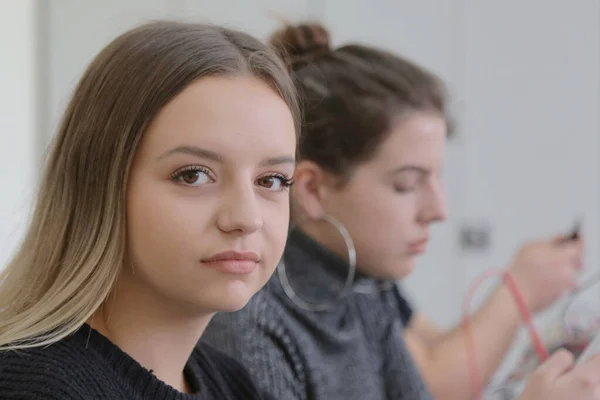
(331, 324)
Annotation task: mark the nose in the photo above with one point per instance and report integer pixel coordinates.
(239, 211)
(434, 207)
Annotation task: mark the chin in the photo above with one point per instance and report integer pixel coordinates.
(231, 298)
(232, 305)
(402, 270)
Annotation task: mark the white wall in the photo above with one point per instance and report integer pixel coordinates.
(77, 30)
(532, 122)
(18, 119)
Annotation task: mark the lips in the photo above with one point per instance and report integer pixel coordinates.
(233, 256)
(233, 262)
(418, 247)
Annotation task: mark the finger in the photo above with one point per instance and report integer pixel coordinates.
(590, 370)
(559, 362)
(571, 247)
(574, 261)
(569, 255)
(564, 240)
(578, 263)
(569, 278)
(578, 244)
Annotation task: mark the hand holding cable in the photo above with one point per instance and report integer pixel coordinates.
(541, 272)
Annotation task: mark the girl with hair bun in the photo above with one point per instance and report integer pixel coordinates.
(331, 324)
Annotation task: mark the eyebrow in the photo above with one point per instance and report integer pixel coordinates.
(269, 162)
(411, 168)
(211, 155)
(193, 151)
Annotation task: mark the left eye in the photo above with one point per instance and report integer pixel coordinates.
(274, 183)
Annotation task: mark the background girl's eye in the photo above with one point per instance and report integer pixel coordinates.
(406, 185)
(404, 188)
(409, 182)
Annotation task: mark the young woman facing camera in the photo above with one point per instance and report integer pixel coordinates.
(165, 200)
(328, 325)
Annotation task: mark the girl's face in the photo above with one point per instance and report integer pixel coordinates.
(389, 201)
(208, 199)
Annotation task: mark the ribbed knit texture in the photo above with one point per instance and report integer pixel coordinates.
(353, 352)
(86, 366)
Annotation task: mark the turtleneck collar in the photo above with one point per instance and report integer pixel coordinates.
(317, 275)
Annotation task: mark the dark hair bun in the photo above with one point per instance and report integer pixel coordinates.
(301, 41)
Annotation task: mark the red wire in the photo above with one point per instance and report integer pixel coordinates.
(473, 367)
(538, 344)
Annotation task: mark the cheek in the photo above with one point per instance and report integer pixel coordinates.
(161, 223)
(384, 223)
(276, 219)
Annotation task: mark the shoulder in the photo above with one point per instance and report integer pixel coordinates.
(212, 357)
(227, 374)
(41, 373)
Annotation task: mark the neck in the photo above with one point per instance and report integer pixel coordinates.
(327, 236)
(159, 337)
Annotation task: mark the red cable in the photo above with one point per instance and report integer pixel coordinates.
(516, 293)
(538, 344)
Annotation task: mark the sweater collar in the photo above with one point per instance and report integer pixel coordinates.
(317, 275)
(134, 375)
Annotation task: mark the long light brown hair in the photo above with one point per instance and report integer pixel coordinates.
(74, 248)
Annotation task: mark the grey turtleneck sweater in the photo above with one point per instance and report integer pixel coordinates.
(354, 351)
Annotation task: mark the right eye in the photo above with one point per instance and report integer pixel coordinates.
(192, 176)
(406, 185)
(404, 188)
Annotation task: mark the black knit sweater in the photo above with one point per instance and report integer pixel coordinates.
(86, 366)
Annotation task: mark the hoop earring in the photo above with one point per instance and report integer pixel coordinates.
(318, 307)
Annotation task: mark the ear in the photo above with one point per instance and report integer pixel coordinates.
(310, 189)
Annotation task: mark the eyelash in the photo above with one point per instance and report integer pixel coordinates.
(196, 168)
(404, 189)
(286, 182)
(407, 187)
